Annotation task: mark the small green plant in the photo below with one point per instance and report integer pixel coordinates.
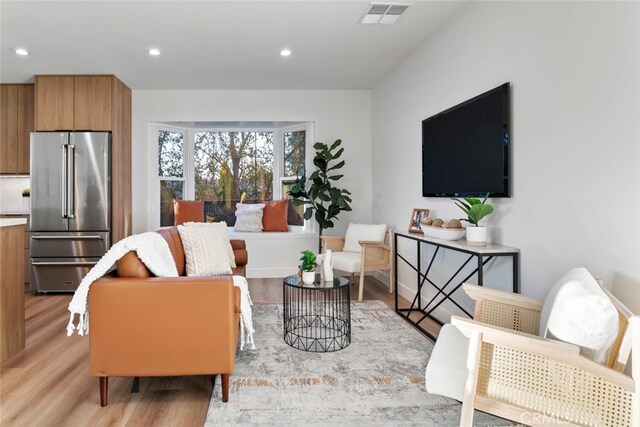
(474, 208)
(308, 259)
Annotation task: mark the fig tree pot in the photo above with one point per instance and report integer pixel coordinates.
(476, 236)
(308, 277)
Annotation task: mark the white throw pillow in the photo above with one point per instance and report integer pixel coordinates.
(218, 227)
(249, 217)
(369, 232)
(578, 312)
(206, 248)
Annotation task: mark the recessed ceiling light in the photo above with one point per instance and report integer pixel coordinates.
(154, 52)
(285, 52)
(22, 52)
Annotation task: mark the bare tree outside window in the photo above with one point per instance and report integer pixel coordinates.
(230, 167)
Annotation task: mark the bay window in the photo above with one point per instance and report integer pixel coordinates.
(225, 167)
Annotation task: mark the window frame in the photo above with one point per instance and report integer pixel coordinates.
(189, 163)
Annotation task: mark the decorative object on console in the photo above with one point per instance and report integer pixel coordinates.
(475, 210)
(274, 216)
(322, 197)
(187, 211)
(417, 217)
(450, 230)
(249, 217)
(308, 266)
(327, 266)
(207, 248)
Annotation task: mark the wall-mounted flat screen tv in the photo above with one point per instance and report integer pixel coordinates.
(465, 149)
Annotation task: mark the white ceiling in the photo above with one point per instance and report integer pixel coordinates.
(212, 44)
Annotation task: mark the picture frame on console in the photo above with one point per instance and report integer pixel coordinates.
(417, 216)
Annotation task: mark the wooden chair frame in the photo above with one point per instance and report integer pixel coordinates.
(375, 256)
(515, 374)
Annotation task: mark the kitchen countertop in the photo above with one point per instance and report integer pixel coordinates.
(14, 212)
(8, 222)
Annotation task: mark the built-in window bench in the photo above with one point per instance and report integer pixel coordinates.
(275, 254)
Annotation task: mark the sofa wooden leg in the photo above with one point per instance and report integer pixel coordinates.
(104, 390)
(225, 387)
(361, 288)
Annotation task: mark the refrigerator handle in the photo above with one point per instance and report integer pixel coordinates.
(64, 182)
(71, 205)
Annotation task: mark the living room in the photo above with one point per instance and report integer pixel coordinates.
(572, 69)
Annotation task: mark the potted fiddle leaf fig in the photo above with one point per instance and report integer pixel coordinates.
(308, 266)
(322, 196)
(476, 210)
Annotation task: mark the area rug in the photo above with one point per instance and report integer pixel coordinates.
(377, 380)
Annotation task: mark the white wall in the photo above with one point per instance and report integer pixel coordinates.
(574, 70)
(335, 114)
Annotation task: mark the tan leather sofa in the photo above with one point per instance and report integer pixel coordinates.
(160, 326)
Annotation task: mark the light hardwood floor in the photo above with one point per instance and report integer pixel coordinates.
(48, 383)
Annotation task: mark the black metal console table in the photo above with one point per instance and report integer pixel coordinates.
(482, 254)
(317, 317)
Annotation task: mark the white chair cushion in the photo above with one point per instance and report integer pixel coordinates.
(577, 311)
(343, 261)
(447, 367)
(356, 232)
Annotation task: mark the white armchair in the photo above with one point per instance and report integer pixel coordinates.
(511, 372)
(364, 248)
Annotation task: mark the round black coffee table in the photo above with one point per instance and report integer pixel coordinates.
(317, 317)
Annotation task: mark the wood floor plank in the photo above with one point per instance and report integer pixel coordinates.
(48, 383)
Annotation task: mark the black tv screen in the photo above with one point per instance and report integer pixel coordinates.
(465, 149)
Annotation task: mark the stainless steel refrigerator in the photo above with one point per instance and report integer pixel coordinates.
(70, 207)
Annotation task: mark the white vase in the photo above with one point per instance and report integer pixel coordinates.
(327, 267)
(477, 236)
(308, 277)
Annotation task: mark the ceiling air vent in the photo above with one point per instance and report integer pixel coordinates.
(383, 13)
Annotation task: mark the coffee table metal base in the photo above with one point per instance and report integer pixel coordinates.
(317, 319)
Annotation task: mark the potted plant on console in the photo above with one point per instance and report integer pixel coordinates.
(308, 266)
(475, 209)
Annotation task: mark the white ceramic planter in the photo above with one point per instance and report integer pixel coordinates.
(476, 236)
(308, 277)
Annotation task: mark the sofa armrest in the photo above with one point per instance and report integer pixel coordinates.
(240, 252)
(191, 321)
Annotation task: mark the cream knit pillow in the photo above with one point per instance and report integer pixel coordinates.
(249, 217)
(206, 248)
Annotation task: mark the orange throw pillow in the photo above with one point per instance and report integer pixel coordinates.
(187, 211)
(274, 217)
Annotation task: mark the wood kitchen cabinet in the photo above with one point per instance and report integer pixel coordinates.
(12, 328)
(16, 123)
(80, 103)
(92, 103)
(100, 103)
(54, 103)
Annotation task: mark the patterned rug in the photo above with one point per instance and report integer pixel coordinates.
(377, 380)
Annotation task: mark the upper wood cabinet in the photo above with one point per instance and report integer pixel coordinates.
(54, 103)
(16, 123)
(92, 103)
(74, 103)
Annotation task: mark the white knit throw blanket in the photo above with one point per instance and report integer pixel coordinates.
(154, 252)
